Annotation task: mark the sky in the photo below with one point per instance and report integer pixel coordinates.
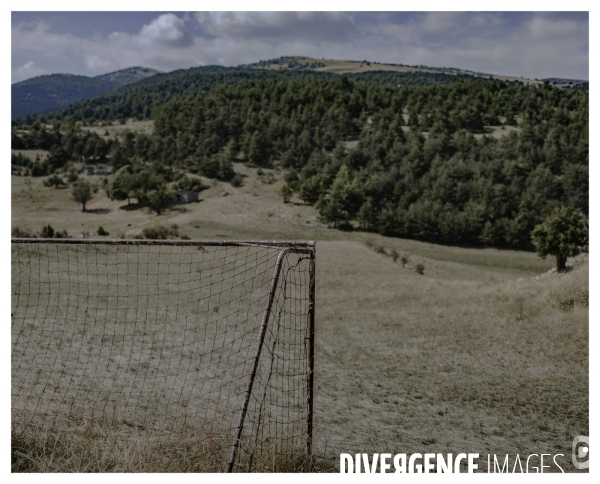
(528, 44)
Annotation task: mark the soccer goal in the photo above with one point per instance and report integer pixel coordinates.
(130, 339)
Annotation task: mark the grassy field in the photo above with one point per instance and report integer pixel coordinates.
(157, 338)
(347, 66)
(477, 354)
(116, 129)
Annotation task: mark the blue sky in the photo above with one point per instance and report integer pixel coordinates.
(529, 44)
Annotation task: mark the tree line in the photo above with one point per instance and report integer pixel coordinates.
(138, 100)
(424, 164)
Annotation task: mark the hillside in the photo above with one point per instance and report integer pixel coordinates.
(140, 98)
(428, 163)
(471, 350)
(44, 94)
(142, 90)
(351, 66)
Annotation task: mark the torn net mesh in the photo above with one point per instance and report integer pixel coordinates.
(160, 339)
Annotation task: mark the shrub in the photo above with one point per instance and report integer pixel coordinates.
(285, 192)
(21, 233)
(39, 169)
(236, 181)
(420, 268)
(54, 181)
(380, 250)
(193, 184)
(47, 232)
(394, 255)
(160, 232)
(404, 260)
(101, 231)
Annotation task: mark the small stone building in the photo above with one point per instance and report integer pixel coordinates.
(187, 196)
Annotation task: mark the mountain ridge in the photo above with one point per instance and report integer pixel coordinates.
(50, 92)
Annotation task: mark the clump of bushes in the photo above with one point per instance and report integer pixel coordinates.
(101, 231)
(54, 181)
(47, 232)
(285, 192)
(21, 233)
(161, 232)
(419, 269)
(394, 254)
(193, 184)
(236, 181)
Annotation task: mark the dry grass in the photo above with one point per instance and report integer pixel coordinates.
(346, 66)
(90, 446)
(117, 129)
(425, 364)
(31, 154)
(476, 355)
(157, 338)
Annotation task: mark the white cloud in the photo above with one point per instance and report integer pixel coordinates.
(167, 30)
(538, 45)
(279, 26)
(26, 71)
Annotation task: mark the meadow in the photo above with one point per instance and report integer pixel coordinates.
(485, 351)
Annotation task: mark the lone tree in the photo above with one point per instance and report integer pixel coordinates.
(121, 184)
(82, 192)
(562, 234)
(286, 192)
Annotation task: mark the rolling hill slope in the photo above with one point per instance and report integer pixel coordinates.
(44, 94)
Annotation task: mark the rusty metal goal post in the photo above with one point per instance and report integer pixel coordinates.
(212, 339)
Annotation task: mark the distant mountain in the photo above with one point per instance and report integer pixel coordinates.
(43, 94)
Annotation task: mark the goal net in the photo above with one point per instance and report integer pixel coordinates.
(209, 343)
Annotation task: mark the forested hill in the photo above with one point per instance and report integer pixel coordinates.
(138, 100)
(446, 186)
(44, 94)
(407, 162)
